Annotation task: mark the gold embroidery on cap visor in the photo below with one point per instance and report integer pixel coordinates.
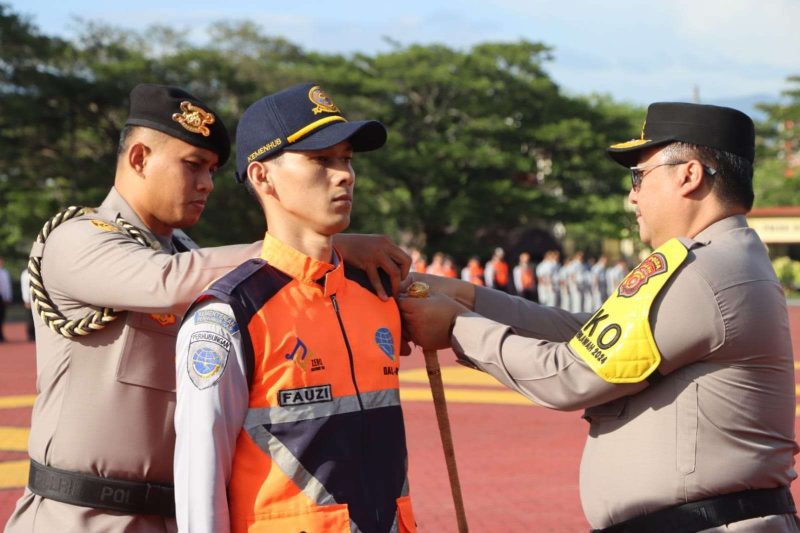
(631, 143)
(194, 119)
(323, 102)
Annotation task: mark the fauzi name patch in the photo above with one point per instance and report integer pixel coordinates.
(305, 395)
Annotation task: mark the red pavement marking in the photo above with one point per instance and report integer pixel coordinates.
(518, 465)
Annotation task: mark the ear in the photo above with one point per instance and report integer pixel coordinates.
(138, 154)
(691, 177)
(259, 178)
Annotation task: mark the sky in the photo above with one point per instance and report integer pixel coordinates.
(725, 51)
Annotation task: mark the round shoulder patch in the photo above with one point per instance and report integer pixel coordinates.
(207, 357)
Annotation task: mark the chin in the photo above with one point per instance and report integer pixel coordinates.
(186, 222)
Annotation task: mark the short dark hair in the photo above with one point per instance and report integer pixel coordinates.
(733, 182)
(124, 137)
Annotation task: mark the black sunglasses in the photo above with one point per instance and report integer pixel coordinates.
(638, 173)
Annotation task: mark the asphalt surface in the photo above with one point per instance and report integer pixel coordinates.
(518, 463)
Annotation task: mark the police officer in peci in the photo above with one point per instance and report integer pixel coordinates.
(685, 372)
(288, 415)
(108, 288)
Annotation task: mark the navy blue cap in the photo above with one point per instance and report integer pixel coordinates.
(722, 128)
(173, 111)
(300, 118)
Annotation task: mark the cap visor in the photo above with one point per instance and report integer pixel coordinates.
(627, 153)
(364, 135)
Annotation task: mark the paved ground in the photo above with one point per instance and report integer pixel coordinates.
(518, 463)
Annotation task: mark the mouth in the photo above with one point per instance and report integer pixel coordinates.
(199, 204)
(343, 198)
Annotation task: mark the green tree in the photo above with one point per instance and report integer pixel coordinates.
(777, 171)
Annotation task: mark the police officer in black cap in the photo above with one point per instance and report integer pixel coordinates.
(686, 371)
(109, 285)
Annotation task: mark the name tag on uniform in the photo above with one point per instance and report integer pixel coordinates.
(305, 395)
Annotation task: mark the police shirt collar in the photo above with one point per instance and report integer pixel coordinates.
(721, 226)
(115, 203)
(301, 267)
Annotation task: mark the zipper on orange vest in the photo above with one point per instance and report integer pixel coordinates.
(349, 350)
(364, 474)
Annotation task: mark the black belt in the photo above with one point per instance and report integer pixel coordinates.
(711, 512)
(86, 490)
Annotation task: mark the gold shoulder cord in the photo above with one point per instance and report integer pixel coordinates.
(40, 300)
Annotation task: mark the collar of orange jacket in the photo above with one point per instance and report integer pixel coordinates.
(307, 270)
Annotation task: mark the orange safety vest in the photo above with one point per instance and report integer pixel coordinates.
(322, 448)
(476, 275)
(528, 281)
(501, 273)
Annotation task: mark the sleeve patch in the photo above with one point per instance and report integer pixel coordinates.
(208, 356)
(212, 316)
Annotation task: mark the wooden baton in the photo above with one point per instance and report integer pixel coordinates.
(421, 290)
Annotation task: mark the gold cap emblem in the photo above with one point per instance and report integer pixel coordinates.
(194, 118)
(323, 102)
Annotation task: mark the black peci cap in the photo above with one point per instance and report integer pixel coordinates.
(173, 111)
(722, 128)
(300, 118)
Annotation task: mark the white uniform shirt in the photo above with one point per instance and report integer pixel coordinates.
(25, 287)
(5, 285)
(212, 402)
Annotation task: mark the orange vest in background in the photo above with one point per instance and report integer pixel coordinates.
(323, 443)
(500, 273)
(528, 281)
(476, 275)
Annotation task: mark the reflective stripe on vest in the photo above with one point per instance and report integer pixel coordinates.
(341, 405)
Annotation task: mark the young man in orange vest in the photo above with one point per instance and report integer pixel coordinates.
(288, 415)
(524, 278)
(473, 272)
(496, 272)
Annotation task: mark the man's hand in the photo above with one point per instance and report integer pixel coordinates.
(427, 321)
(461, 291)
(371, 252)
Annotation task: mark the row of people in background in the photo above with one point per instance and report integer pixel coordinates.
(576, 285)
(6, 296)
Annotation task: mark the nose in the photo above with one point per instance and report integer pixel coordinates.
(205, 183)
(633, 196)
(345, 176)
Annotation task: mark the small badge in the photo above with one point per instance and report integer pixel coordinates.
(212, 316)
(385, 341)
(652, 266)
(163, 320)
(103, 225)
(208, 355)
(323, 102)
(194, 119)
(299, 354)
